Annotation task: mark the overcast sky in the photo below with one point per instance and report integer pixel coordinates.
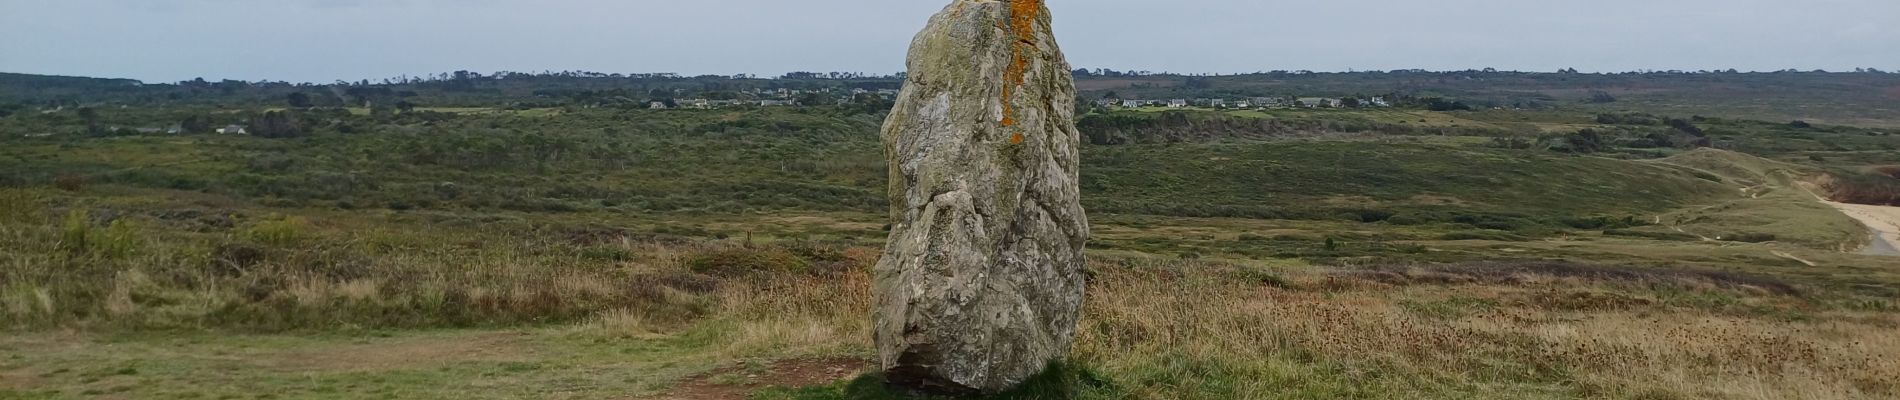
(326, 40)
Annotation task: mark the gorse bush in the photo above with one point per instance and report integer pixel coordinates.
(76, 233)
(119, 240)
(279, 231)
(70, 183)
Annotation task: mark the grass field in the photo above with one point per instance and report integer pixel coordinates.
(1155, 328)
(723, 254)
(326, 303)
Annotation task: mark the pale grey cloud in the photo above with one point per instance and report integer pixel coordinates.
(321, 40)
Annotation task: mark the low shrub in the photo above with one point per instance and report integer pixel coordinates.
(1748, 237)
(70, 183)
(119, 240)
(1675, 236)
(744, 260)
(606, 253)
(76, 233)
(283, 232)
(1604, 222)
(1484, 235)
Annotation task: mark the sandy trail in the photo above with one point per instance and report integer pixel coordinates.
(1885, 221)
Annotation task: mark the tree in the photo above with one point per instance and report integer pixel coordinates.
(872, 104)
(1655, 140)
(405, 106)
(277, 124)
(1600, 97)
(194, 124)
(1586, 141)
(1437, 104)
(812, 98)
(1686, 127)
(298, 100)
(91, 117)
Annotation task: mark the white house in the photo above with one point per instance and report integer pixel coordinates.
(1133, 103)
(1177, 103)
(233, 130)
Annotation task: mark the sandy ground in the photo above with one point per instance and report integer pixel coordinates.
(1885, 222)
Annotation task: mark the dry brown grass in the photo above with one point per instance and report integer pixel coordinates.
(1158, 329)
(1494, 348)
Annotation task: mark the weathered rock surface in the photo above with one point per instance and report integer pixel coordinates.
(981, 283)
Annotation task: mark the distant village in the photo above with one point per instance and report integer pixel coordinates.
(778, 98)
(1249, 103)
(785, 97)
(799, 97)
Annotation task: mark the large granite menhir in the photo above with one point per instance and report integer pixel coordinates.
(981, 283)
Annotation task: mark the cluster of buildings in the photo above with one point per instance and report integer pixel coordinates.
(802, 97)
(778, 98)
(1250, 103)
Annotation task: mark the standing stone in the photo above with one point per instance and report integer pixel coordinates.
(981, 282)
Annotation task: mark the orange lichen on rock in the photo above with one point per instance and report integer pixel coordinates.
(1023, 15)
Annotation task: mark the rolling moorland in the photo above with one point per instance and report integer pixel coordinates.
(1652, 236)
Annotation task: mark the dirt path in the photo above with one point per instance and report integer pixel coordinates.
(1885, 222)
(736, 383)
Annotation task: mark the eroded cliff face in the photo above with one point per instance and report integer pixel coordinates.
(981, 283)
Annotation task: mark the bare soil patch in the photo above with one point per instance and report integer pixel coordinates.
(19, 380)
(735, 382)
(403, 354)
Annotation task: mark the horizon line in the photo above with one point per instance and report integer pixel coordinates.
(869, 75)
